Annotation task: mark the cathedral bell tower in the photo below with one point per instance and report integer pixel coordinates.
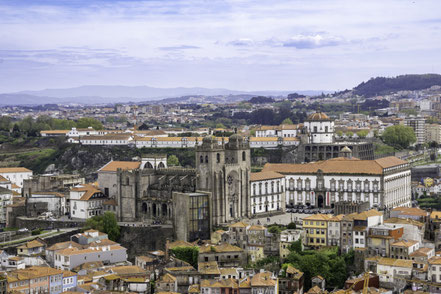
(224, 170)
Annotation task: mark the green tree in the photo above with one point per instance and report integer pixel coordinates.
(274, 229)
(16, 132)
(399, 136)
(172, 160)
(291, 226)
(363, 133)
(349, 134)
(287, 121)
(296, 246)
(187, 254)
(220, 126)
(86, 122)
(105, 223)
(5, 123)
(339, 133)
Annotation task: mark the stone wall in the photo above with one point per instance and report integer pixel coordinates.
(140, 240)
(33, 223)
(50, 240)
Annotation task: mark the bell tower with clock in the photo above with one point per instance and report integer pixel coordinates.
(223, 168)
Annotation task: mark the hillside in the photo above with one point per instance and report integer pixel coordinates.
(382, 85)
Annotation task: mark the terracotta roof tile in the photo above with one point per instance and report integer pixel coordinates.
(14, 170)
(338, 165)
(113, 166)
(261, 176)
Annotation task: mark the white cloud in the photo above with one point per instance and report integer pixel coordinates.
(291, 39)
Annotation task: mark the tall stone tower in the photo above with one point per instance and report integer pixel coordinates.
(224, 170)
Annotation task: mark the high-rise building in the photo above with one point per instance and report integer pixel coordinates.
(418, 125)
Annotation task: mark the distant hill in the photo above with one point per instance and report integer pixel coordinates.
(383, 86)
(123, 94)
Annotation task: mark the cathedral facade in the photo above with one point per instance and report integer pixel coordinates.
(145, 193)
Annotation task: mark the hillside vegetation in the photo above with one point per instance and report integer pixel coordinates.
(382, 85)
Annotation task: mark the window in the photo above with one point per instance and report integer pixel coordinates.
(218, 158)
(244, 157)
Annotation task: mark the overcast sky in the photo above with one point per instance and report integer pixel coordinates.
(241, 45)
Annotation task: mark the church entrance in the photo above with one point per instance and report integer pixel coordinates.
(320, 201)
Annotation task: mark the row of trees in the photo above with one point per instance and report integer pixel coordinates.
(31, 127)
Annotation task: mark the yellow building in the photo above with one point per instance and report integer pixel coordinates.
(315, 229)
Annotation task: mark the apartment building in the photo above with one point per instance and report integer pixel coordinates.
(35, 280)
(316, 230)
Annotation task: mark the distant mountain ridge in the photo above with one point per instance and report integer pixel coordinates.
(122, 94)
(384, 86)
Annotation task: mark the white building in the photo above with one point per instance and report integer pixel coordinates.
(384, 182)
(418, 125)
(56, 202)
(283, 131)
(111, 139)
(82, 132)
(69, 258)
(389, 268)
(320, 128)
(267, 192)
(86, 201)
(5, 200)
(16, 174)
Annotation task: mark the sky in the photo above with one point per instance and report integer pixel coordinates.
(235, 44)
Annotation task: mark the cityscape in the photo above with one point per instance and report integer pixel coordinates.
(220, 147)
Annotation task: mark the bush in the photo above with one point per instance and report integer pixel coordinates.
(291, 226)
(36, 232)
(187, 254)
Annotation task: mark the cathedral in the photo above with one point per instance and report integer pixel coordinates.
(145, 193)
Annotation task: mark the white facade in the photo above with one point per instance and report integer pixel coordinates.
(387, 271)
(56, 202)
(301, 189)
(86, 202)
(320, 129)
(16, 175)
(82, 132)
(267, 195)
(282, 131)
(376, 181)
(5, 200)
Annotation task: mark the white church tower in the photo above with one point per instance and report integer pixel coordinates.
(320, 128)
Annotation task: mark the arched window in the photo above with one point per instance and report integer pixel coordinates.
(202, 159)
(254, 189)
(206, 158)
(266, 188)
(244, 156)
(218, 158)
(127, 181)
(272, 187)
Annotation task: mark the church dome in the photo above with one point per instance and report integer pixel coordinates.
(318, 116)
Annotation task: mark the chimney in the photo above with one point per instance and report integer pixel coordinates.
(167, 244)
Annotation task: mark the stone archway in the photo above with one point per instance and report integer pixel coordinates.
(154, 212)
(320, 201)
(144, 207)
